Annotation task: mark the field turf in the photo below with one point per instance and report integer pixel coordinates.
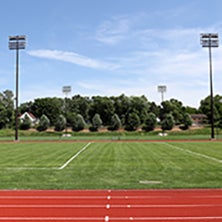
(110, 165)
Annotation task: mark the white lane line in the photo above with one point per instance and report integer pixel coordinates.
(63, 206)
(107, 218)
(73, 157)
(104, 198)
(108, 206)
(194, 153)
(51, 218)
(169, 218)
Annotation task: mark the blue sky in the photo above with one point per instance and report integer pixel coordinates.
(110, 47)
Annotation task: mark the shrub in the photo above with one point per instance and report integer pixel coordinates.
(133, 122)
(96, 123)
(115, 123)
(25, 124)
(78, 123)
(168, 122)
(150, 122)
(60, 123)
(43, 123)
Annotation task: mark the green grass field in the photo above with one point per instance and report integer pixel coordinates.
(110, 165)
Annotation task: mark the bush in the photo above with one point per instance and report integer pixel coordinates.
(96, 123)
(78, 123)
(150, 122)
(115, 123)
(25, 124)
(60, 123)
(187, 122)
(43, 123)
(168, 122)
(133, 122)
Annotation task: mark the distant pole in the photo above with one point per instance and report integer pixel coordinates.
(66, 90)
(210, 40)
(16, 43)
(162, 89)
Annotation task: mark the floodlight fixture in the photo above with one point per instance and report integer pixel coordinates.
(16, 43)
(210, 40)
(66, 89)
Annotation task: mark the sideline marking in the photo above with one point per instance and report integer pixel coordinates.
(29, 168)
(48, 168)
(73, 157)
(194, 153)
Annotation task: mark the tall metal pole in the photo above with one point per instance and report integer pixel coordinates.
(210, 40)
(162, 89)
(66, 90)
(211, 91)
(17, 92)
(15, 43)
(162, 97)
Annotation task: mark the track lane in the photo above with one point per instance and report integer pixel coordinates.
(106, 205)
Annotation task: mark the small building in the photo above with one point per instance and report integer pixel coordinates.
(198, 119)
(31, 117)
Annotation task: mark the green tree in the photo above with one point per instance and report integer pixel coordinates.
(187, 121)
(51, 107)
(115, 122)
(60, 123)
(140, 106)
(205, 108)
(150, 122)
(102, 106)
(155, 109)
(6, 109)
(175, 108)
(44, 123)
(133, 122)
(168, 122)
(191, 110)
(96, 122)
(78, 123)
(25, 124)
(79, 105)
(121, 107)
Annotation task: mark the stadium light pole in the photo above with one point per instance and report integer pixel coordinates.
(15, 43)
(210, 40)
(162, 89)
(66, 90)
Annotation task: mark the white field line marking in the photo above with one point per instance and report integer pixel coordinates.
(30, 168)
(48, 168)
(194, 153)
(73, 157)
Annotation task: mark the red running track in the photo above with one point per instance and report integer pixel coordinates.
(196, 205)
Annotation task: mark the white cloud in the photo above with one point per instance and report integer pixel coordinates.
(114, 30)
(72, 58)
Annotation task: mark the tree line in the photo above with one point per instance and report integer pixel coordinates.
(114, 112)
